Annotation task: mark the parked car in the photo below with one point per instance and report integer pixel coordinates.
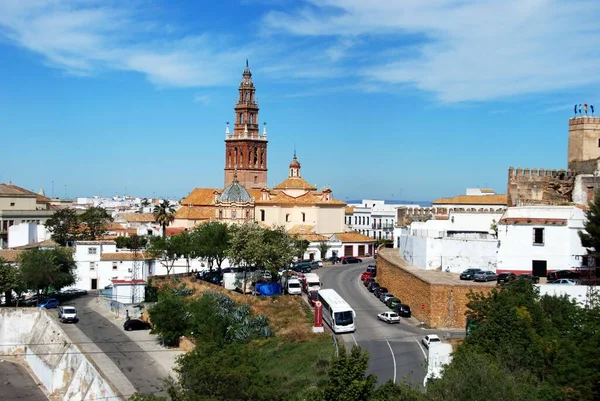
(403, 310)
(430, 339)
(50, 303)
(468, 274)
(505, 277)
(380, 290)
(211, 277)
(136, 324)
(392, 302)
(389, 317)
(365, 275)
(534, 279)
(485, 275)
(302, 267)
(372, 269)
(333, 259)
(385, 296)
(373, 286)
(313, 296)
(367, 282)
(555, 275)
(67, 314)
(351, 259)
(567, 281)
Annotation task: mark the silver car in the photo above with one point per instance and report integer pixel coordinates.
(485, 275)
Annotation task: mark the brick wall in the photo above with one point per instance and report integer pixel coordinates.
(444, 305)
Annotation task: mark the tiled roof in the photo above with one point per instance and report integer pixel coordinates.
(138, 217)
(201, 197)
(125, 256)
(13, 190)
(235, 192)
(353, 237)
(350, 210)
(174, 230)
(486, 191)
(196, 212)
(100, 242)
(42, 244)
(535, 221)
(9, 255)
(301, 229)
(313, 237)
(473, 200)
(309, 198)
(295, 183)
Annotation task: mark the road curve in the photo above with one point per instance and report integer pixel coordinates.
(395, 351)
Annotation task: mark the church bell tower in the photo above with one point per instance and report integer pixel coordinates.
(246, 147)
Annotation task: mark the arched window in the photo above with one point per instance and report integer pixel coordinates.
(262, 215)
(287, 217)
(303, 217)
(241, 118)
(247, 96)
(251, 118)
(220, 214)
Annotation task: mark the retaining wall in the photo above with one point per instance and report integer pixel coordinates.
(59, 365)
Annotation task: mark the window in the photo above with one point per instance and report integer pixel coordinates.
(287, 217)
(220, 214)
(115, 265)
(92, 266)
(256, 179)
(303, 217)
(12, 203)
(262, 215)
(241, 118)
(92, 251)
(538, 236)
(233, 214)
(599, 143)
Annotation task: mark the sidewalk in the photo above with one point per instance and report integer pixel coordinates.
(164, 357)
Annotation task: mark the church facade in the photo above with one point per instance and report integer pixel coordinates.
(300, 207)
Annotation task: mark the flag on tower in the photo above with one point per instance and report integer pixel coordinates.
(575, 109)
(585, 107)
(592, 108)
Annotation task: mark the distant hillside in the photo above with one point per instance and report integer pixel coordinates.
(396, 202)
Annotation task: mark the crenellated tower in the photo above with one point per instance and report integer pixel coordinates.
(246, 147)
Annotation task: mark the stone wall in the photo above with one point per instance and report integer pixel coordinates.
(437, 303)
(533, 186)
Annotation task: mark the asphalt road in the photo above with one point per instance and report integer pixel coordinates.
(395, 350)
(140, 368)
(17, 384)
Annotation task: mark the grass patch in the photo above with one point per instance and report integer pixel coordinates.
(300, 365)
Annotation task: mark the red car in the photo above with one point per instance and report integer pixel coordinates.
(366, 275)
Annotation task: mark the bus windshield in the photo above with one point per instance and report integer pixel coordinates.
(343, 318)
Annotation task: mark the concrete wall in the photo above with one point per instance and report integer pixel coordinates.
(59, 365)
(437, 305)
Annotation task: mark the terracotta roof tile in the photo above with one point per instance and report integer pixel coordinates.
(125, 256)
(196, 212)
(313, 237)
(309, 198)
(41, 244)
(98, 242)
(301, 229)
(473, 200)
(201, 197)
(295, 183)
(138, 217)
(11, 189)
(9, 255)
(350, 210)
(174, 230)
(353, 237)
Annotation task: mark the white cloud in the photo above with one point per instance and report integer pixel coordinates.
(85, 37)
(463, 50)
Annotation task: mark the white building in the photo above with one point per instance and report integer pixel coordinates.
(373, 218)
(26, 233)
(100, 262)
(538, 239)
(464, 240)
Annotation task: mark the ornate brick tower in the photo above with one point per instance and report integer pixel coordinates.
(246, 148)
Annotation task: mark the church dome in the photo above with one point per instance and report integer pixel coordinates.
(235, 192)
(295, 163)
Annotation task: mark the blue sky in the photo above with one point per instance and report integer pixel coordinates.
(394, 99)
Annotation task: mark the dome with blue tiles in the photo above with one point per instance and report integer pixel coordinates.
(235, 192)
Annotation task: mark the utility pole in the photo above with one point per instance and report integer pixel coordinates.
(135, 270)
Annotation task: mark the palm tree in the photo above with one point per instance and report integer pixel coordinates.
(164, 214)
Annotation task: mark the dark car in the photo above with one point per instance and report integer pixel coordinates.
(372, 269)
(392, 302)
(380, 290)
(555, 275)
(50, 303)
(505, 277)
(373, 286)
(351, 259)
(368, 281)
(302, 267)
(468, 274)
(334, 259)
(136, 324)
(534, 279)
(403, 310)
(212, 277)
(313, 296)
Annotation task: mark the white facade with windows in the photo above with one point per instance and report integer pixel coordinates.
(373, 218)
(538, 239)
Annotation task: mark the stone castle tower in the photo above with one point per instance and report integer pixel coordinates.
(246, 147)
(584, 144)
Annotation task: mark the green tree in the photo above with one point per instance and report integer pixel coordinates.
(146, 397)
(390, 391)
(45, 269)
(10, 280)
(301, 246)
(130, 242)
(347, 379)
(166, 250)
(164, 214)
(63, 226)
(185, 247)
(169, 317)
(94, 222)
(323, 248)
(278, 249)
(590, 237)
(211, 242)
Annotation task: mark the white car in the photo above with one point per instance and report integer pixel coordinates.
(429, 339)
(389, 317)
(67, 313)
(564, 281)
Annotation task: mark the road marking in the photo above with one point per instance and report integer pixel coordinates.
(354, 338)
(420, 346)
(393, 358)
